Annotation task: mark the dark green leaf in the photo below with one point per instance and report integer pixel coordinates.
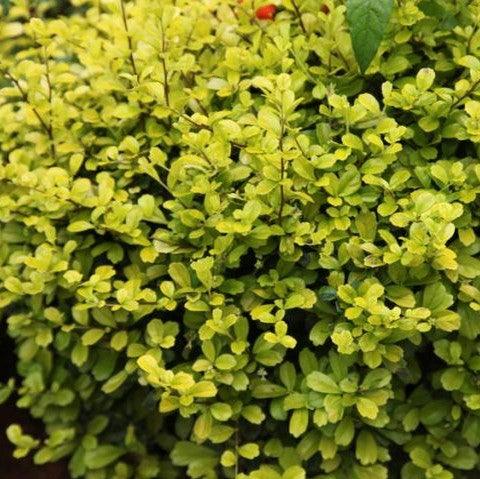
(368, 21)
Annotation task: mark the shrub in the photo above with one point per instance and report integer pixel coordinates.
(226, 254)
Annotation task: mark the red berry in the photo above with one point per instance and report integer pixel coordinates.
(324, 8)
(266, 12)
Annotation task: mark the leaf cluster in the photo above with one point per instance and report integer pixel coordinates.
(225, 254)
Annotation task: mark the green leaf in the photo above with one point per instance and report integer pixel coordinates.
(368, 21)
(79, 354)
(225, 362)
(115, 382)
(367, 408)
(468, 266)
(221, 411)
(179, 273)
(102, 456)
(349, 182)
(268, 390)
(465, 459)
(253, 413)
(148, 363)
(6, 390)
(249, 450)
(5, 6)
(425, 78)
(345, 431)
(452, 379)
(203, 269)
(204, 389)
(371, 472)
(421, 457)
(199, 459)
(472, 401)
(288, 375)
(79, 226)
(303, 168)
(23, 442)
(155, 331)
(119, 340)
(366, 224)
(322, 383)
(298, 422)
(366, 450)
(471, 430)
(125, 111)
(92, 336)
(378, 378)
(228, 458)
(203, 426)
(294, 472)
(320, 332)
(436, 298)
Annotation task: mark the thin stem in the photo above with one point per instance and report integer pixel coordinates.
(50, 90)
(300, 148)
(282, 172)
(198, 125)
(192, 122)
(265, 32)
(299, 15)
(344, 60)
(462, 97)
(47, 128)
(47, 74)
(166, 88)
(202, 108)
(129, 40)
(190, 83)
(236, 450)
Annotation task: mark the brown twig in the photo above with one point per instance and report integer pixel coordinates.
(462, 97)
(299, 15)
(129, 39)
(166, 88)
(47, 128)
(236, 449)
(50, 92)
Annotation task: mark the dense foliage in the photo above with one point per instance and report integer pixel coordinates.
(224, 253)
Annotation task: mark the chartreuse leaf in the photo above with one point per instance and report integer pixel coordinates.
(221, 411)
(294, 472)
(225, 254)
(23, 442)
(6, 390)
(322, 383)
(249, 450)
(179, 273)
(368, 22)
(101, 456)
(344, 432)
(298, 422)
(228, 458)
(366, 450)
(367, 408)
(253, 414)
